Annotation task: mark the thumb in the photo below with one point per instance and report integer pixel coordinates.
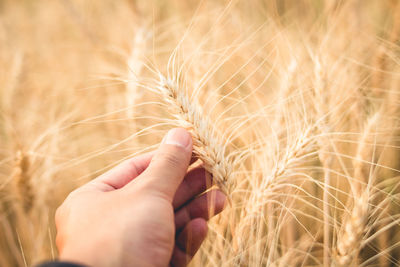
(170, 162)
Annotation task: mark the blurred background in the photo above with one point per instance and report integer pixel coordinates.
(309, 90)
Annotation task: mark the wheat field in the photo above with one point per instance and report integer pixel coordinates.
(293, 106)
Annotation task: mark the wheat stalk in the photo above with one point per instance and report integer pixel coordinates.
(135, 67)
(207, 143)
(323, 153)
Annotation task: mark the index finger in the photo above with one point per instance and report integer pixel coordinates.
(125, 172)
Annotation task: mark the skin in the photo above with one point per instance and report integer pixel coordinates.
(147, 211)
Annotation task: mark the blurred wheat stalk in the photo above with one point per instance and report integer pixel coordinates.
(304, 95)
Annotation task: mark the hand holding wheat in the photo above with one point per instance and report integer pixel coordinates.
(141, 213)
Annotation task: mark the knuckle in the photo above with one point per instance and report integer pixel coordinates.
(72, 195)
(133, 167)
(58, 214)
(62, 211)
(59, 241)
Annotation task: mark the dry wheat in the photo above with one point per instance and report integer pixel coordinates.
(207, 143)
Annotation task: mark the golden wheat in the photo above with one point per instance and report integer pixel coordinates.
(207, 144)
(293, 107)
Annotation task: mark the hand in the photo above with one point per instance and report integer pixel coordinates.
(145, 212)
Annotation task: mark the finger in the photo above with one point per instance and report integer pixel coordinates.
(179, 258)
(195, 182)
(194, 233)
(189, 241)
(125, 172)
(193, 159)
(205, 206)
(169, 163)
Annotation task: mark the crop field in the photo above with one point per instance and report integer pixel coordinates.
(293, 106)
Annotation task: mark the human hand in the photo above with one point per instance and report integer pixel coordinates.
(144, 212)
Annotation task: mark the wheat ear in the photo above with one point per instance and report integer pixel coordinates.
(21, 179)
(350, 240)
(207, 143)
(355, 225)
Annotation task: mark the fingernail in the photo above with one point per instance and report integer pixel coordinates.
(178, 137)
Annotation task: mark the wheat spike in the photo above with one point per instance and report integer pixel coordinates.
(350, 239)
(207, 144)
(21, 180)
